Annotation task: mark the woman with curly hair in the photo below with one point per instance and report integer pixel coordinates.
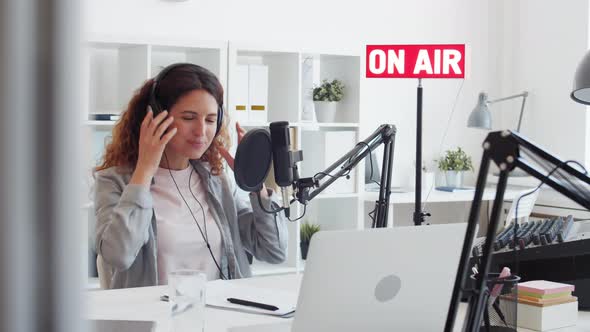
(162, 199)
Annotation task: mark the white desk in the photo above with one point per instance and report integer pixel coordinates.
(403, 202)
(144, 304)
(437, 196)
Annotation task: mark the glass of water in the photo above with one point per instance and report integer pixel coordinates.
(187, 300)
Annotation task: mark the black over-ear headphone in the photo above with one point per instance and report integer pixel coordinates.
(157, 108)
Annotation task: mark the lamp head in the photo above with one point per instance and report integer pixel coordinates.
(581, 90)
(481, 117)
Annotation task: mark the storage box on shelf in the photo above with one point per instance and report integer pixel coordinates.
(252, 70)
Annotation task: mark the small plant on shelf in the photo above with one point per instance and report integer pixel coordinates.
(329, 91)
(306, 231)
(325, 99)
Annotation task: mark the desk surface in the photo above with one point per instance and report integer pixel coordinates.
(144, 304)
(438, 196)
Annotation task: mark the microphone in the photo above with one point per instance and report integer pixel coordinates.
(279, 135)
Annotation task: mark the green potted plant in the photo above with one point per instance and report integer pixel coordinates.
(325, 98)
(454, 164)
(306, 231)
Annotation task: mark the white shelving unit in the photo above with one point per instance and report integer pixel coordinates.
(286, 94)
(115, 69)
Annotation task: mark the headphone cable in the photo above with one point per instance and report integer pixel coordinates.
(204, 235)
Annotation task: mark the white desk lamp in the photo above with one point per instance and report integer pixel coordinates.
(481, 117)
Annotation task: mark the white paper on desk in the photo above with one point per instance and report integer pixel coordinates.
(219, 291)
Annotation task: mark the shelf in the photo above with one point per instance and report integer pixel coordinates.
(321, 149)
(255, 124)
(115, 71)
(162, 56)
(346, 68)
(334, 214)
(282, 83)
(336, 196)
(116, 68)
(305, 125)
(103, 123)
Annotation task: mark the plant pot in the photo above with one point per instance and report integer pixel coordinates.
(325, 111)
(304, 248)
(454, 179)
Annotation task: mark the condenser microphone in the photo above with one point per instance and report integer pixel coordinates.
(279, 135)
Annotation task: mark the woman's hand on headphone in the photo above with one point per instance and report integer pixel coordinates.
(223, 151)
(153, 138)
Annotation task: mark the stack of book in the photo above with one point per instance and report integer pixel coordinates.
(545, 305)
(545, 293)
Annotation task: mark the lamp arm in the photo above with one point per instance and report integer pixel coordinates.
(524, 95)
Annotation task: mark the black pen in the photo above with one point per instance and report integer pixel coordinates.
(253, 304)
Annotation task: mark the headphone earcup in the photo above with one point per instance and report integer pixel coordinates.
(156, 109)
(219, 119)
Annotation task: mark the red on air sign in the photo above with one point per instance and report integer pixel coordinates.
(416, 61)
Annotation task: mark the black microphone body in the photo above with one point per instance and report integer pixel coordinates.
(279, 134)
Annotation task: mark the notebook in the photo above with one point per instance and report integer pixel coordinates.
(544, 287)
(219, 291)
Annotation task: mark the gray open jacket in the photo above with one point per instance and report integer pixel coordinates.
(126, 228)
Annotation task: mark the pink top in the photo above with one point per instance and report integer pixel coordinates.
(180, 244)
(545, 287)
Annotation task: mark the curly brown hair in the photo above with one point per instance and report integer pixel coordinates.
(123, 150)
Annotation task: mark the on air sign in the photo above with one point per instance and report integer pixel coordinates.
(416, 61)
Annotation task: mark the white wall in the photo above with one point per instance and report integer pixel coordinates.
(544, 41)
(315, 24)
(395, 100)
(547, 41)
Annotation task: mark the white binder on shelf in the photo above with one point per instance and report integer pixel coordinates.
(240, 107)
(258, 93)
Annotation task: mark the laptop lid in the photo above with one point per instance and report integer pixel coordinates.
(395, 279)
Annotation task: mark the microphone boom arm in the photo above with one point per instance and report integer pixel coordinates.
(385, 135)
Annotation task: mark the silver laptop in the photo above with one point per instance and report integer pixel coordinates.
(394, 279)
(397, 279)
